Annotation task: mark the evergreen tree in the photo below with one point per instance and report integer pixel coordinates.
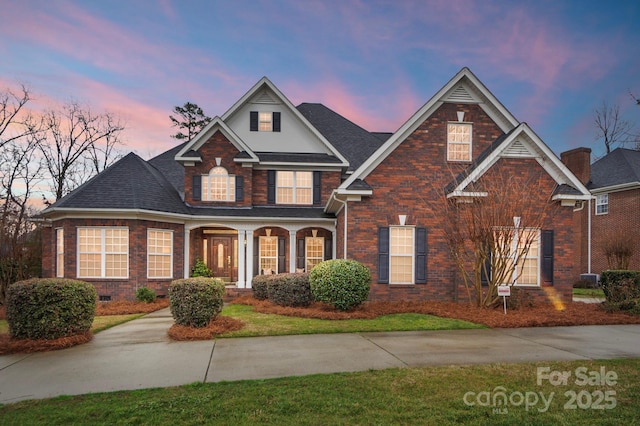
(191, 119)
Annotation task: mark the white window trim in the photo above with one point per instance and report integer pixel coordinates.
(103, 257)
(306, 251)
(599, 203)
(260, 256)
(170, 255)
(470, 125)
(261, 121)
(206, 187)
(59, 252)
(514, 250)
(294, 188)
(412, 255)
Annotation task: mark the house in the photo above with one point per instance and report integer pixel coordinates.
(613, 213)
(269, 187)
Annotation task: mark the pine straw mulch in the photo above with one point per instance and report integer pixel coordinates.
(10, 346)
(220, 325)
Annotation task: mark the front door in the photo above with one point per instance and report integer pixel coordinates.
(222, 258)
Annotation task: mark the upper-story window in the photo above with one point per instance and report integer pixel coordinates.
(459, 142)
(264, 121)
(602, 204)
(218, 185)
(294, 187)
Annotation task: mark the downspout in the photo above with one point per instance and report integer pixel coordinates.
(589, 239)
(344, 226)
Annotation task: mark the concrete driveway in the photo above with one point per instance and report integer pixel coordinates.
(139, 354)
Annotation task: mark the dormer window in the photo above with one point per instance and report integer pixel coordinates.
(218, 185)
(459, 142)
(264, 121)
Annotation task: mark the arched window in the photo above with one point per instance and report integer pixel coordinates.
(218, 185)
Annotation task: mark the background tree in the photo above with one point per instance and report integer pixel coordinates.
(490, 236)
(611, 127)
(191, 119)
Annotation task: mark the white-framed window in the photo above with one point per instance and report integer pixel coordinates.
(401, 254)
(524, 262)
(159, 253)
(218, 185)
(294, 187)
(265, 121)
(103, 252)
(314, 251)
(269, 255)
(59, 252)
(459, 141)
(602, 204)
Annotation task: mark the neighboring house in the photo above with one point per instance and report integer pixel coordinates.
(270, 188)
(613, 214)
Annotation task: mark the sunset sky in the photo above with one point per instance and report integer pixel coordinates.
(551, 63)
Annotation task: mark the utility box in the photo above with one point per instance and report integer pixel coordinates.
(594, 279)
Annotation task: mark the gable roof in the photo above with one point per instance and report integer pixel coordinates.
(464, 87)
(131, 183)
(354, 143)
(620, 169)
(521, 142)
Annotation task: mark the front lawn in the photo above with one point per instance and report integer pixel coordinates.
(423, 396)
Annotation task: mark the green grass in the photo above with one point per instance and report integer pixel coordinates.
(588, 292)
(422, 396)
(99, 323)
(258, 324)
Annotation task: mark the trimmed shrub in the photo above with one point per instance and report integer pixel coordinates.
(341, 283)
(146, 294)
(260, 285)
(195, 302)
(50, 308)
(622, 289)
(200, 269)
(290, 289)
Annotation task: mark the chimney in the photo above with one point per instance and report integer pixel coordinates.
(579, 162)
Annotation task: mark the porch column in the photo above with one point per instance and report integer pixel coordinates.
(241, 283)
(187, 242)
(249, 263)
(292, 250)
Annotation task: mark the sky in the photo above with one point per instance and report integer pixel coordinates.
(551, 63)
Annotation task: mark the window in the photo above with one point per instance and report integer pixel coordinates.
(401, 253)
(314, 251)
(269, 255)
(159, 254)
(261, 121)
(264, 123)
(103, 252)
(459, 142)
(218, 185)
(59, 252)
(294, 187)
(602, 204)
(524, 262)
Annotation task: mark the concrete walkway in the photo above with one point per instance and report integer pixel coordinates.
(139, 354)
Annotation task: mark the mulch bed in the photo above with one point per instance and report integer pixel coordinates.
(221, 324)
(126, 307)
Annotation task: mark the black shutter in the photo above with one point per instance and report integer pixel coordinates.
(421, 255)
(383, 255)
(253, 125)
(276, 121)
(317, 188)
(282, 255)
(485, 273)
(239, 188)
(328, 248)
(256, 256)
(547, 257)
(300, 256)
(271, 186)
(197, 188)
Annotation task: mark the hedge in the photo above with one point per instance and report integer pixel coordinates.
(290, 289)
(339, 282)
(50, 308)
(260, 284)
(195, 302)
(622, 289)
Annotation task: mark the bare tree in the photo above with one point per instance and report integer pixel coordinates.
(491, 235)
(611, 127)
(75, 134)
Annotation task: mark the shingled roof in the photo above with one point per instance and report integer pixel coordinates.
(354, 143)
(619, 167)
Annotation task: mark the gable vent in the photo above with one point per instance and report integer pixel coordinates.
(460, 94)
(517, 149)
(264, 98)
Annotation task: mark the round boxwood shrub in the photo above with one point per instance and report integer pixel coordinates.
(145, 294)
(50, 308)
(341, 283)
(260, 284)
(290, 289)
(195, 302)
